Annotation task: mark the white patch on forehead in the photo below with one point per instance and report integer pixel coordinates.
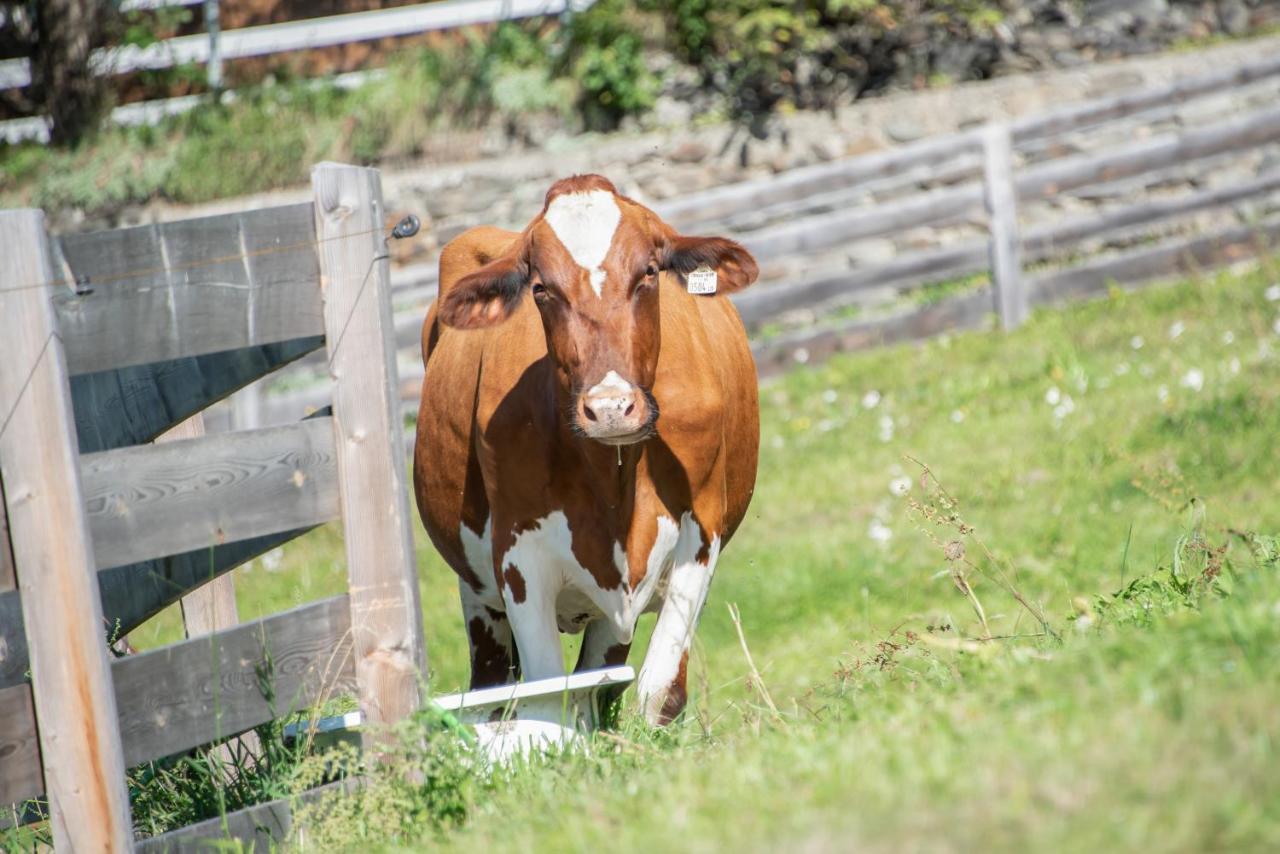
(611, 383)
(584, 223)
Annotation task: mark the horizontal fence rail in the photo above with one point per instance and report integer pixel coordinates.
(191, 693)
(153, 500)
(188, 288)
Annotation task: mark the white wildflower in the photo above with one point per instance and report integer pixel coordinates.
(879, 531)
(1122, 369)
(1052, 396)
(1162, 393)
(900, 485)
(1193, 379)
(957, 415)
(871, 399)
(778, 442)
(886, 428)
(1234, 365)
(801, 355)
(1062, 410)
(1272, 293)
(829, 396)
(1136, 342)
(1228, 337)
(271, 560)
(825, 425)
(1177, 329)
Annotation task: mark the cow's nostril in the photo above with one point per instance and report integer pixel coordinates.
(591, 416)
(630, 409)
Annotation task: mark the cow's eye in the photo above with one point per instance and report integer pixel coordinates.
(539, 291)
(651, 270)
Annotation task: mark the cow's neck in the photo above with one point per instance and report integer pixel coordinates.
(611, 475)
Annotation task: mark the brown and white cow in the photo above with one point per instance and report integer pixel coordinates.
(588, 436)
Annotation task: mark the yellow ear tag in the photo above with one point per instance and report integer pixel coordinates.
(702, 280)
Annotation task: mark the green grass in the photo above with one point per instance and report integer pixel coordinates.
(1143, 719)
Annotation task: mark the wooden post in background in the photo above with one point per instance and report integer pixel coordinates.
(1002, 208)
(386, 619)
(70, 672)
(212, 607)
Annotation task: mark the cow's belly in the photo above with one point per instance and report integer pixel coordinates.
(541, 570)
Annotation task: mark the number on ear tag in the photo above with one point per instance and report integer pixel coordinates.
(702, 281)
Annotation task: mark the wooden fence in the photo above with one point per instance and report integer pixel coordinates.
(991, 176)
(215, 46)
(112, 339)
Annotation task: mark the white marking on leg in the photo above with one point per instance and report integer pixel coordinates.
(686, 594)
(538, 555)
(478, 550)
(585, 223)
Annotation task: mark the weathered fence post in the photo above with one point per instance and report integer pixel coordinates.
(213, 24)
(1005, 244)
(53, 559)
(386, 619)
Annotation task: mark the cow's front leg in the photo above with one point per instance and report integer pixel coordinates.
(662, 686)
(531, 608)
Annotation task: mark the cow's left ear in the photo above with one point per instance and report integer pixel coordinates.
(733, 264)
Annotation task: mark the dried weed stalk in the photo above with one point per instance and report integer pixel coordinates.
(940, 510)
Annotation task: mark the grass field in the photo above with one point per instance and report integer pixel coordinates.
(1077, 719)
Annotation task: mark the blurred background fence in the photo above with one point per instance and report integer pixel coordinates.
(1066, 204)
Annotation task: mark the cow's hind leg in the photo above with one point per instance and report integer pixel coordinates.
(494, 660)
(600, 647)
(662, 686)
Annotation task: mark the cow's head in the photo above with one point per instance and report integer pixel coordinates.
(592, 260)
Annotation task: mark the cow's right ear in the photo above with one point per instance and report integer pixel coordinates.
(486, 297)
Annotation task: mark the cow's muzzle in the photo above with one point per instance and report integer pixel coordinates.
(615, 412)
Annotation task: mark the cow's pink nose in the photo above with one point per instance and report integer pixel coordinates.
(613, 409)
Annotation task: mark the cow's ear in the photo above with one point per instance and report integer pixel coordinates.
(733, 265)
(486, 297)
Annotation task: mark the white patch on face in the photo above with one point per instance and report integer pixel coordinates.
(584, 223)
(611, 384)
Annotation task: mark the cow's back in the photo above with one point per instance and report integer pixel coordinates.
(447, 480)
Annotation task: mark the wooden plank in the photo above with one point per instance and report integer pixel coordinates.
(7, 579)
(21, 776)
(134, 405)
(259, 828)
(1049, 179)
(386, 616)
(188, 288)
(53, 558)
(1002, 212)
(153, 500)
(191, 693)
(822, 231)
(210, 607)
(135, 593)
(759, 304)
(1091, 113)
(1046, 240)
(1177, 257)
(810, 346)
